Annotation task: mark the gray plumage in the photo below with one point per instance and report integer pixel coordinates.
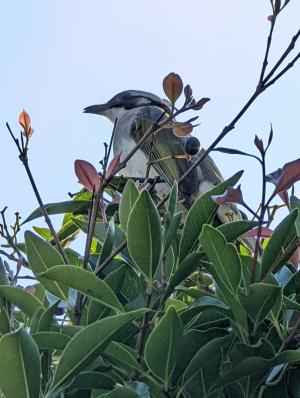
(136, 112)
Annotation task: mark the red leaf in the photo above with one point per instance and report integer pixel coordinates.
(199, 104)
(113, 166)
(87, 175)
(182, 130)
(232, 195)
(188, 92)
(30, 289)
(284, 196)
(173, 86)
(265, 233)
(289, 176)
(295, 259)
(259, 144)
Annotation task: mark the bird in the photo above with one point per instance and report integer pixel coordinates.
(171, 156)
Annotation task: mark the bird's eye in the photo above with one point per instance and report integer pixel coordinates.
(192, 146)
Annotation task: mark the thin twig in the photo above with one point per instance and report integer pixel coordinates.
(24, 159)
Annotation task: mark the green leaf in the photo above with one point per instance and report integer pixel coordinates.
(88, 344)
(27, 302)
(295, 204)
(123, 356)
(45, 233)
(253, 365)
(144, 238)
(188, 266)
(50, 340)
(108, 242)
(4, 321)
(171, 231)
(71, 206)
(128, 199)
(202, 212)
(233, 230)
(114, 281)
(47, 318)
(84, 281)
(260, 302)
(41, 257)
(280, 246)
(172, 202)
(163, 345)
(93, 380)
(193, 341)
(20, 366)
(204, 368)
(123, 392)
(226, 265)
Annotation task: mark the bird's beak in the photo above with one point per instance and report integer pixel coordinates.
(96, 109)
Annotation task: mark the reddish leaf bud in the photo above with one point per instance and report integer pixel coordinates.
(87, 175)
(173, 86)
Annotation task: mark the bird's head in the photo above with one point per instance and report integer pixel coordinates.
(124, 101)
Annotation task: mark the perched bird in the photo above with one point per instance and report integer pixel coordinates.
(136, 111)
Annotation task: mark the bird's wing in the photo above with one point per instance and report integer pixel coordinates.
(162, 148)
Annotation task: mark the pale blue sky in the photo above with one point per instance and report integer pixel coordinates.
(59, 56)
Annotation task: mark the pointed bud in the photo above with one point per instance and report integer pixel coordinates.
(199, 104)
(259, 144)
(25, 122)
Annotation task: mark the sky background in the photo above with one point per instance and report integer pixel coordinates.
(60, 56)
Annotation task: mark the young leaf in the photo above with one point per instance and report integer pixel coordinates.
(20, 366)
(163, 345)
(173, 86)
(87, 175)
(88, 344)
(144, 235)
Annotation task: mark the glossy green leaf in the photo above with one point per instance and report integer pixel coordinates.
(226, 265)
(84, 281)
(123, 392)
(188, 266)
(93, 380)
(144, 238)
(171, 230)
(260, 301)
(50, 340)
(71, 206)
(4, 321)
(19, 366)
(279, 248)
(128, 199)
(108, 243)
(295, 204)
(41, 257)
(204, 368)
(233, 230)
(27, 302)
(123, 356)
(172, 201)
(253, 365)
(114, 281)
(202, 212)
(88, 344)
(163, 345)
